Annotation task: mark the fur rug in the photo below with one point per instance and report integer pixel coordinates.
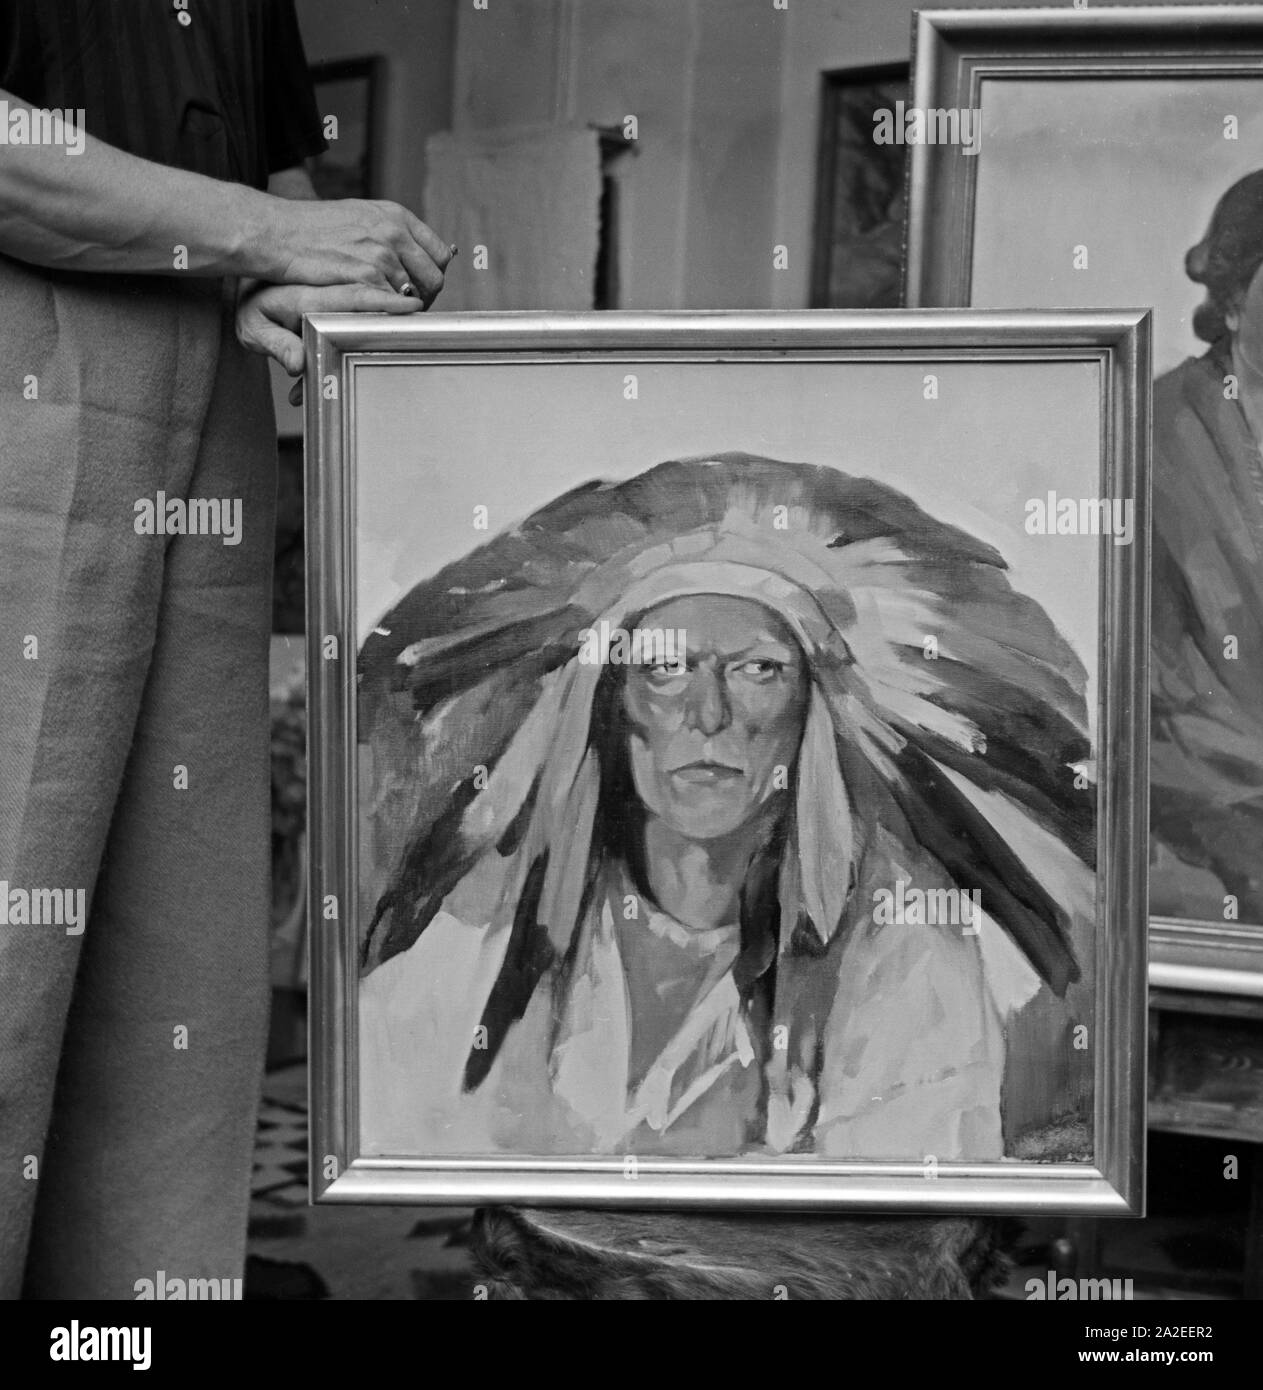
(592, 1255)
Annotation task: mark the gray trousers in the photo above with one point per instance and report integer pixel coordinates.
(134, 767)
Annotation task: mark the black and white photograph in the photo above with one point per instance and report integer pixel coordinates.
(631, 636)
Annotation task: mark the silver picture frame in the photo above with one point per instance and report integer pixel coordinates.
(956, 54)
(342, 351)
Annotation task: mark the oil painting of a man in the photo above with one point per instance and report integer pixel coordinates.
(639, 903)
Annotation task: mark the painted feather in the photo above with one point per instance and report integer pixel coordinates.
(477, 666)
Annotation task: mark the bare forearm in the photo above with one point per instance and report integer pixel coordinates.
(105, 210)
(292, 183)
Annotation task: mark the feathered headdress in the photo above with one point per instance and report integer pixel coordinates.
(930, 678)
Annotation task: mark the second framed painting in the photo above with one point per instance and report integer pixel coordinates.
(726, 773)
(1119, 165)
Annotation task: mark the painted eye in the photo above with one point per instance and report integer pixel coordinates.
(661, 672)
(761, 669)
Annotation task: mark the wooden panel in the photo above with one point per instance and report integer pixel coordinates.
(1206, 1076)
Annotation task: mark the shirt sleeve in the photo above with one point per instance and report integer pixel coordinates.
(19, 71)
(294, 130)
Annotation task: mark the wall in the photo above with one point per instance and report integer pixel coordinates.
(417, 39)
(727, 93)
(702, 78)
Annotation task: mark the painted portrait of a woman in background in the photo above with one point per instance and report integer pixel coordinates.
(783, 873)
(1114, 184)
(1207, 597)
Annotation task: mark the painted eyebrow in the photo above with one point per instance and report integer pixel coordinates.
(769, 650)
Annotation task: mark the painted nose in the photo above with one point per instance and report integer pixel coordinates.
(706, 703)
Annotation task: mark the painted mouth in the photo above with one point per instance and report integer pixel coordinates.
(706, 774)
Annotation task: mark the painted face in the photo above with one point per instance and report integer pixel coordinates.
(710, 734)
(1248, 327)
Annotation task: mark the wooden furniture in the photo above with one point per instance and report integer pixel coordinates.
(1205, 1081)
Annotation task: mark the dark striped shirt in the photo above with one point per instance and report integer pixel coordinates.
(219, 87)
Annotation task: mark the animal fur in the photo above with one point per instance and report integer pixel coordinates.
(599, 1256)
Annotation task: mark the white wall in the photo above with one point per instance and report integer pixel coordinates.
(703, 79)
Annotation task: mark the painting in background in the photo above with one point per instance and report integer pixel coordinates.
(722, 782)
(858, 251)
(1133, 176)
(1040, 198)
(348, 90)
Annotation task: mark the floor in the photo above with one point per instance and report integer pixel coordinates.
(296, 1251)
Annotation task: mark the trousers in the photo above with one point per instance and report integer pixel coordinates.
(134, 778)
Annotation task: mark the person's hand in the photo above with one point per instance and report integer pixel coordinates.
(352, 241)
(270, 317)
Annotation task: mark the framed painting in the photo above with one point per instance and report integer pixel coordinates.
(1119, 164)
(725, 782)
(857, 260)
